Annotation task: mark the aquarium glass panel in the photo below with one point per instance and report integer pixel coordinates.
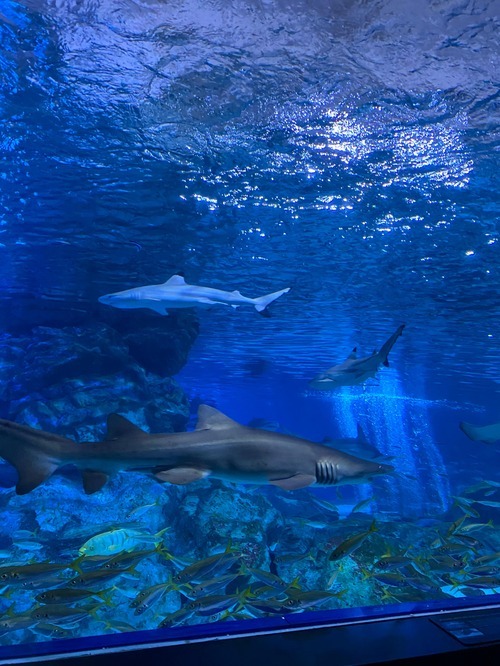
(249, 313)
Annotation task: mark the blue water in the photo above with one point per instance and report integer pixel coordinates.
(349, 152)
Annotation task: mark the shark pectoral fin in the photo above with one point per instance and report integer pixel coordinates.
(180, 476)
(294, 482)
(30, 477)
(156, 304)
(93, 481)
(160, 309)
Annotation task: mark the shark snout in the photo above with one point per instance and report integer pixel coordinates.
(130, 298)
(111, 299)
(382, 469)
(362, 471)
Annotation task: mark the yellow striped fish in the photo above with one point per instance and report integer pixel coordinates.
(119, 540)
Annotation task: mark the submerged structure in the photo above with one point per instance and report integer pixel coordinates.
(212, 471)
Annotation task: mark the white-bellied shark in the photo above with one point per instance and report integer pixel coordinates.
(488, 434)
(355, 370)
(176, 293)
(219, 447)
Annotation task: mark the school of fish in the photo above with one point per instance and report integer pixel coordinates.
(100, 573)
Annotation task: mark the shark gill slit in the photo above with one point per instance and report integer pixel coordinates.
(326, 473)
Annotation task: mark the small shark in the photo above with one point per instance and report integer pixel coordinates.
(219, 447)
(176, 293)
(488, 434)
(356, 446)
(355, 370)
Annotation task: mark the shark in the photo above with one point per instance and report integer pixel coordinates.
(355, 370)
(219, 447)
(489, 434)
(176, 293)
(358, 446)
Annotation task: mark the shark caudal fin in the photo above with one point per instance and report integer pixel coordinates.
(34, 453)
(262, 302)
(389, 344)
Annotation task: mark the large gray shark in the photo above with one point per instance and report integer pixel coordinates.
(488, 433)
(175, 293)
(355, 370)
(219, 447)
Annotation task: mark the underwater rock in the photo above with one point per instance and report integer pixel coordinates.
(157, 404)
(52, 355)
(159, 344)
(219, 513)
(23, 312)
(68, 380)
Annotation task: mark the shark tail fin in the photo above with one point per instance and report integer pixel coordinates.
(389, 344)
(262, 302)
(33, 464)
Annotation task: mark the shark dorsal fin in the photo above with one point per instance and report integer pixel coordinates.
(175, 280)
(353, 354)
(360, 436)
(119, 426)
(210, 418)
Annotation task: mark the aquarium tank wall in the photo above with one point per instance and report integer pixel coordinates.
(249, 313)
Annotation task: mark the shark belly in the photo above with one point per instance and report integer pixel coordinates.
(258, 457)
(335, 378)
(207, 296)
(241, 477)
